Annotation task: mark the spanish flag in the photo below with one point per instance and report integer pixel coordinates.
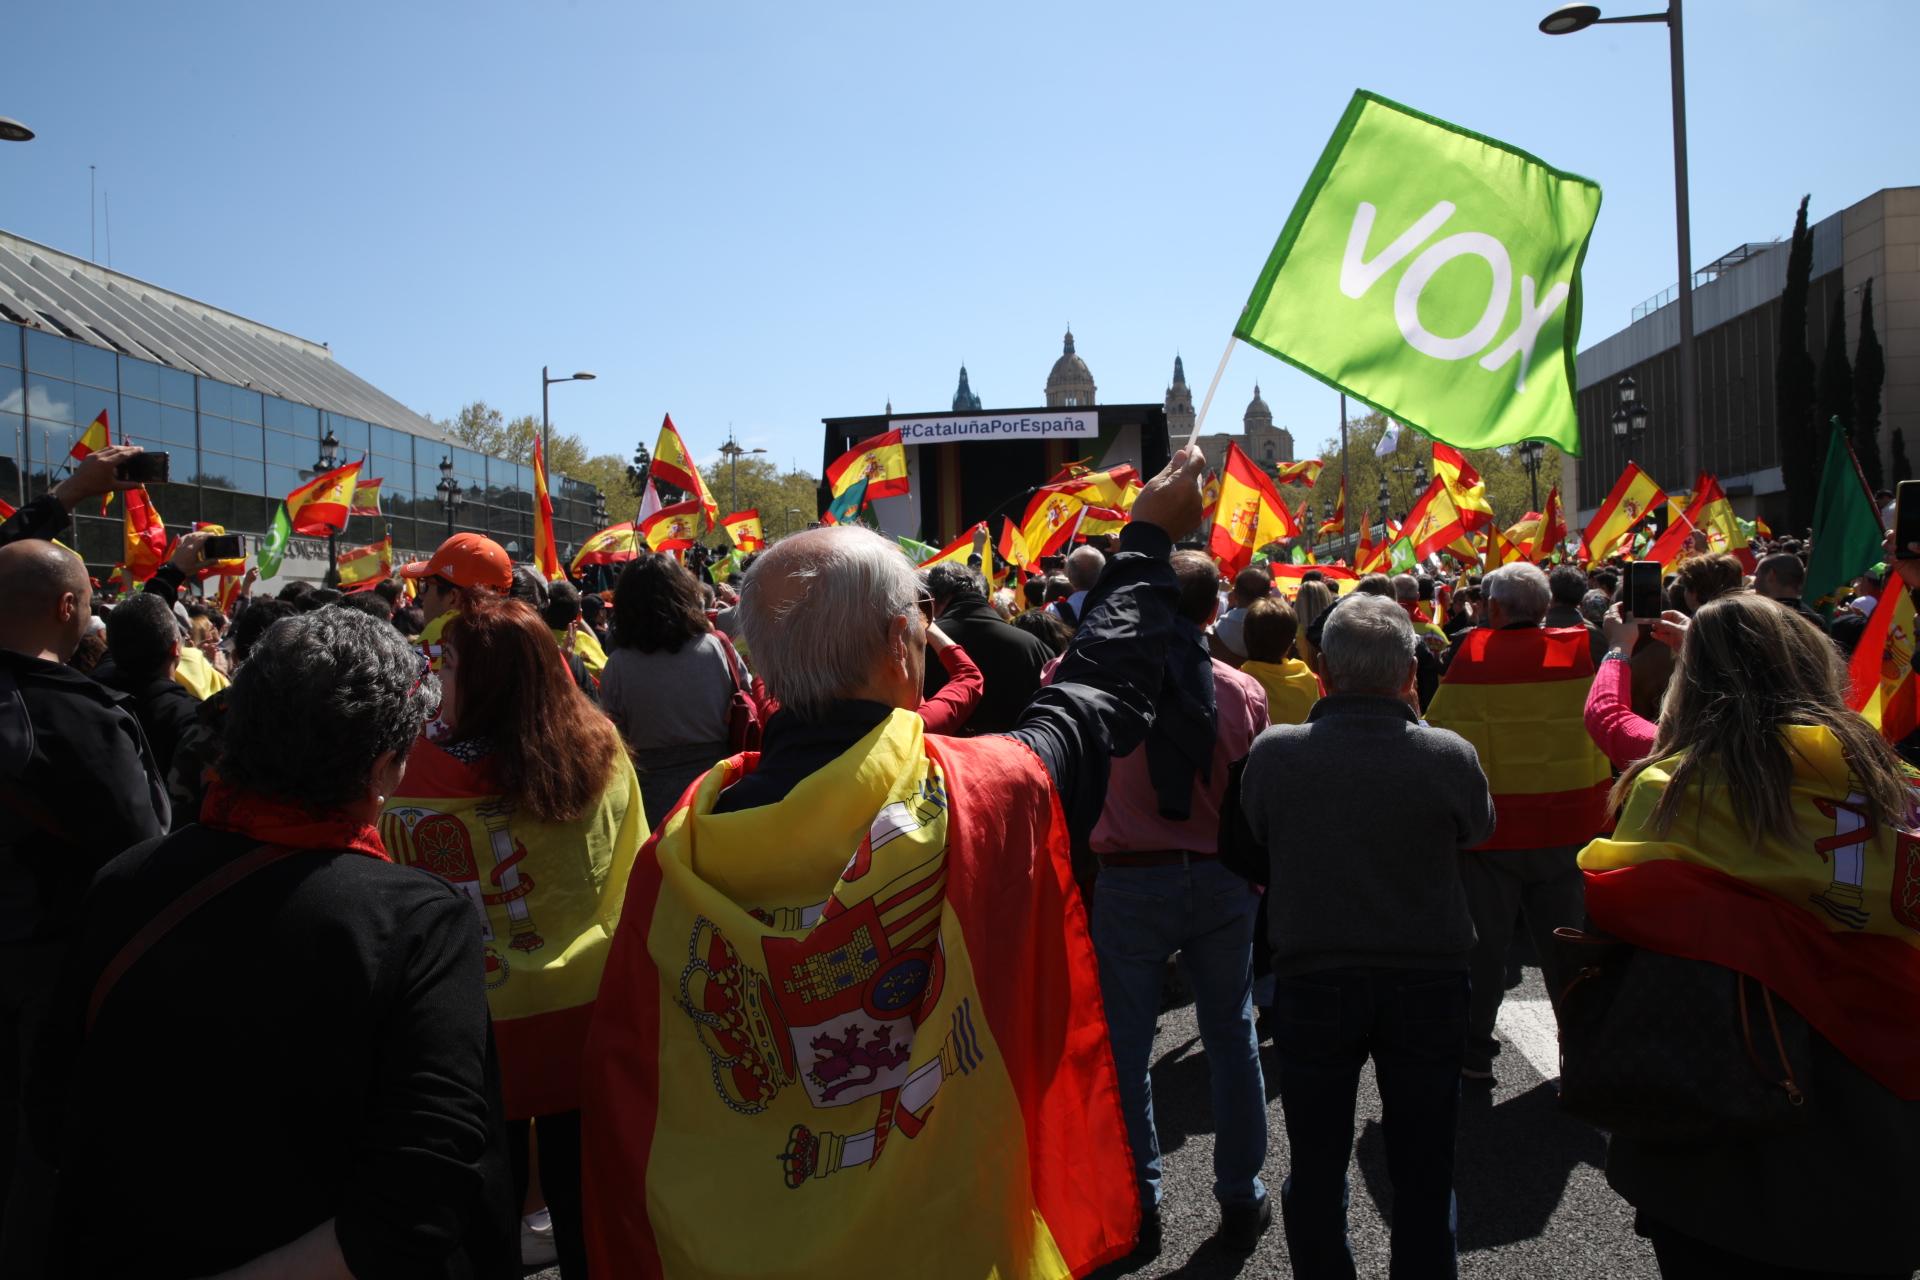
(1464, 486)
(1250, 514)
(1552, 533)
(546, 900)
(366, 493)
(97, 436)
(1709, 512)
(1634, 496)
(319, 507)
(1287, 578)
(1435, 523)
(546, 554)
(1012, 548)
(881, 459)
(959, 551)
(144, 537)
(1209, 497)
(1115, 487)
(217, 568)
(672, 463)
(1336, 524)
(672, 528)
(858, 1030)
(1520, 698)
(743, 530)
(1880, 672)
(1828, 919)
(1305, 472)
(1048, 522)
(362, 567)
(615, 544)
(1501, 549)
(1095, 521)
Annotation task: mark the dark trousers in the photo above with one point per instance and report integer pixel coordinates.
(1413, 1023)
(1682, 1257)
(559, 1145)
(1545, 886)
(27, 973)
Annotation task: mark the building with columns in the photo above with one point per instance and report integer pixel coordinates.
(1258, 438)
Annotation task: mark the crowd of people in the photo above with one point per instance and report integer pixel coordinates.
(283, 1000)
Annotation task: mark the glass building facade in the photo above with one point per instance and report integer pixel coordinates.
(236, 453)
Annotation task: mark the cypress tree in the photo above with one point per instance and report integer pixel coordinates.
(1793, 383)
(1869, 373)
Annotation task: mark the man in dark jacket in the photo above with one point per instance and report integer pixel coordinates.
(77, 785)
(1782, 577)
(1567, 584)
(144, 643)
(1009, 659)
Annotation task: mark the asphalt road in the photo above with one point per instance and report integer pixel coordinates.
(1534, 1204)
(1533, 1200)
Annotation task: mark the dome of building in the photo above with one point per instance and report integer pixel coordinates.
(1071, 382)
(1258, 414)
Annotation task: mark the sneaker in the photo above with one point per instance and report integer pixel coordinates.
(1148, 1245)
(1242, 1225)
(536, 1240)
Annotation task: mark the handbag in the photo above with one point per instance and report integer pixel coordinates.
(744, 729)
(1664, 1048)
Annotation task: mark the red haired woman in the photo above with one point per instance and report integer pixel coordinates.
(522, 795)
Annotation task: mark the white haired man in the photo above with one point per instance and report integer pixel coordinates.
(1083, 570)
(1517, 691)
(889, 970)
(1370, 933)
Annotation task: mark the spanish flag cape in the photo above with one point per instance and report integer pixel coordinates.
(858, 1030)
(585, 644)
(1829, 918)
(546, 898)
(1519, 695)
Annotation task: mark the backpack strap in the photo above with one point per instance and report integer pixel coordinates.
(164, 921)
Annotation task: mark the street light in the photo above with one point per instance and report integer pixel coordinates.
(791, 522)
(732, 450)
(1566, 20)
(1631, 414)
(599, 509)
(1531, 451)
(546, 423)
(449, 490)
(12, 130)
(330, 454)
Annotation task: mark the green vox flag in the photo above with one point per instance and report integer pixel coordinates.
(1298, 555)
(917, 551)
(1847, 538)
(274, 549)
(1400, 556)
(1434, 274)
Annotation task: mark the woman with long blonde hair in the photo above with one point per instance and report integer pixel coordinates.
(1769, 831)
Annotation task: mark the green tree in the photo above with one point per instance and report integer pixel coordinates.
(1902, 469)
(479, 426)
(1869, 375)
(1836, 372)
(607, 473)
(638, 468)
(1793, 384)
(786, 500)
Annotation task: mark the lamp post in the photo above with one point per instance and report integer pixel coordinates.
(790, 521)
(1531, 452)
(599, 509)
(546, 423)
(1566, 20)
(330, 454)
(732, 451)
(12, 130)
(449, 490)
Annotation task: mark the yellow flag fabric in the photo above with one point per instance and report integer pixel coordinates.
(546, 898)
(1634, 495)
(583, 642)
(196, 675)
(1291, 687)
(672, 463)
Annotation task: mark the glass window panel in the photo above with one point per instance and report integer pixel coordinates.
(50, 398)
(299, 419)
(216, 434)
(138, 378)
(249, 474)
(246, 405)
(176, 388)
(216, 398)
(407, 533)
(10, 345)
(351, 433)
(283, 480)
(49, 354)
(12, 443)
(95, 367)
(216, 506)
(289, 451)
(47, 444)
(176, 426)
(99, 542)
(250, 514)
(90, 402)
(178, 504)
(248, 441)
(142, 417)
(13, 396)
(151, 443)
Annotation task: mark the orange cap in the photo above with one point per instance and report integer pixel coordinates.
(466, 560)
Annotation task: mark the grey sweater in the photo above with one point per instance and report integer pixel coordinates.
(1365, 812)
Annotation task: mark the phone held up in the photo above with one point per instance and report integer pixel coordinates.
(147, 468)
(223, 546)
(1643, 590)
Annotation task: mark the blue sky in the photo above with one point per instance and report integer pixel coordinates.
(762, 214)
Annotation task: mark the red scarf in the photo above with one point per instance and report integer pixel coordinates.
(270, 821)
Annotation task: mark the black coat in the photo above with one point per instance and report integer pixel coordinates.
(1010, 661)
(80, 785)
(164, 708)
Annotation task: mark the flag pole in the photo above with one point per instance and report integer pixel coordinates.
(1212, 387)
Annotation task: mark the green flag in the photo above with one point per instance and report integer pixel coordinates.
(1847, 537)
(274, 549)
(1434, 274)
(917, 551)
(1298, 555)
(1400, 556)
(845, 509)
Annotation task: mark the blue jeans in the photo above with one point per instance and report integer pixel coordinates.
(1141, 917)
(1413, 1022)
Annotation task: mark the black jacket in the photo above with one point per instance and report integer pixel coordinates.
(1010, 661)
(311, 1044)
(79, 785)
(164, 708)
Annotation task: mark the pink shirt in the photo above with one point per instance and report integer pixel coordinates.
(1131, 822)
(1621, 735)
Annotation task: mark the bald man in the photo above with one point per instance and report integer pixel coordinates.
(77, 785)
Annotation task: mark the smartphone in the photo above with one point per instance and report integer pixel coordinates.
(1643, 590)
(1906, 519)
(223, 546)
(147, 468)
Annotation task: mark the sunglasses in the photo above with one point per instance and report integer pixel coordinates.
(926, 607)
